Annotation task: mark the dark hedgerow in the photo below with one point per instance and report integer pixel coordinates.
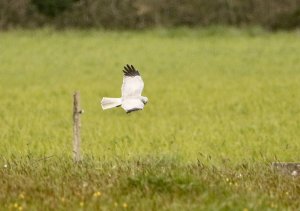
(51, 8)
(139, 14)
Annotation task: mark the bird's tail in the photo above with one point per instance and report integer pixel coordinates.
(107, 102)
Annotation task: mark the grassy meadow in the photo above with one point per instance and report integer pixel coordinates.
(223, 104)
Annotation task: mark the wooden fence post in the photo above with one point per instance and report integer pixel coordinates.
(76, 127)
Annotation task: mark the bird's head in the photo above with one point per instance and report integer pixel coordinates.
(144, 100)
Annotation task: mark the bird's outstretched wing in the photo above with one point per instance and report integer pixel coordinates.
(132, 82)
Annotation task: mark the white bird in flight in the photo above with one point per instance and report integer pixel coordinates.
(132, 99)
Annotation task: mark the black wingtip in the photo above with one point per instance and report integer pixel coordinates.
(129, 70)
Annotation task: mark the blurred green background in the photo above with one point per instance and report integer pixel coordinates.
(223, 92)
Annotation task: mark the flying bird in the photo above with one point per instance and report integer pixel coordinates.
(132, 99)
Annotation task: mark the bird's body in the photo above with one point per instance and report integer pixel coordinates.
(132, 88)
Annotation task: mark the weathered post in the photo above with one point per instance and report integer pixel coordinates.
(76, 127)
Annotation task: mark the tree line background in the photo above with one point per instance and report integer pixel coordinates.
(138, 14)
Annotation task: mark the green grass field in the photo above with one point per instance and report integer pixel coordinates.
(222, 106)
